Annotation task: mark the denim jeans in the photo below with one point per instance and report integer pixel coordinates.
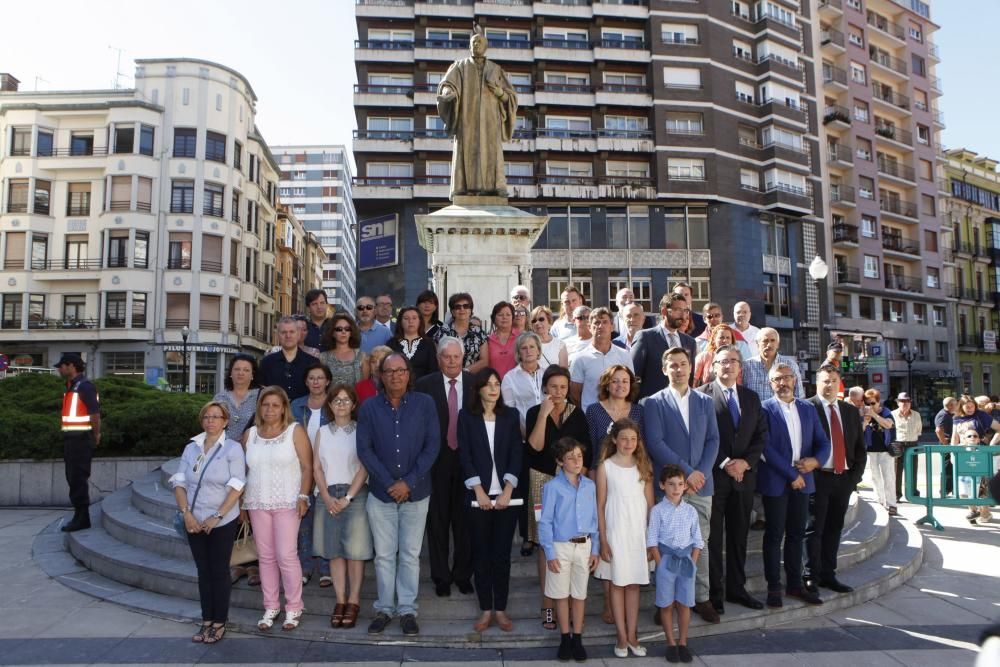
(397, 528)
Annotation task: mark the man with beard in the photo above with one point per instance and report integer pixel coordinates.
(650, 344)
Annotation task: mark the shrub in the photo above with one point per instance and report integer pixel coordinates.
(136, 419)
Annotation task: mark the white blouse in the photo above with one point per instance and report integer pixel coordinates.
(274, 475)
(338, 453)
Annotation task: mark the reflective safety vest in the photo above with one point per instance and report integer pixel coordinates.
(74, 411)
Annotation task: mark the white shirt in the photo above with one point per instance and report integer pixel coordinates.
(794, 425)
(725, 394)
(495, 488)
(750, 338)
(313, 424)
(828, 464)
(458, 388)
(683, 405)
(563, 329)
(574, 344)
(338, 453)
(522, 390)
(550, 353)
(274, 476)
(673, 337)
(587, 366)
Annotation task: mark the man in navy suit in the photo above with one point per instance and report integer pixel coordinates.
(742, 436)
(795, 447)
(649, 345)
(679, 426)
(836, 480)
(450, 389)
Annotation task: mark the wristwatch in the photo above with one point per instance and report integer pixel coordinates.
(217, 515)
(349, 497)
(304, 497)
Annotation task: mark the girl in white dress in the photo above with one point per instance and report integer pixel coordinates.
(624, 497)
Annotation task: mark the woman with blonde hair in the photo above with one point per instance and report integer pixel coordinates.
(553, 348)
(721, 334)
(277, 496)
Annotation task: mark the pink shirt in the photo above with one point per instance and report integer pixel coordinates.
(502, 357)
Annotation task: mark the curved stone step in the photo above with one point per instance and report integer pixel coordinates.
(885, 569)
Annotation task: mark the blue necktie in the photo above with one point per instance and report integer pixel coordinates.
(734, 410)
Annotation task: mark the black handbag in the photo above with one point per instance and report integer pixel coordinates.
(896, 448)
(179, 516)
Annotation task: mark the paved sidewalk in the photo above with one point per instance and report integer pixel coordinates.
(934, 619)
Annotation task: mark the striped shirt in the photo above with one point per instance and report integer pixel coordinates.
(755, 376)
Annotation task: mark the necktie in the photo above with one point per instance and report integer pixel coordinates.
(839, 448)
(734, 409)
(673, 340)
(452, 415)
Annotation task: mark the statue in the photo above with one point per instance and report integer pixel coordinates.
(479, 107)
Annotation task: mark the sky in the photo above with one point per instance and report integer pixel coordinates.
(298, 56)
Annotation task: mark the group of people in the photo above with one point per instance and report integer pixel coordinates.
(566, 428)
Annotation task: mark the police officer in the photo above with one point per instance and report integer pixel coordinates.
(81, 427)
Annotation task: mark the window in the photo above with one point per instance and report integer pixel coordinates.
(17, 195)
(179, 251)
(682, 77)
(237, 155)
(215, 147)
(182, 197)
(234, 211)
(679, 33)
(861, 111)
(744, 92)
(185, 141)
(924, 134)
(920, 99)
(930, 240)
(624, 125)
(627, 169)
(776, 295)
(871, 267)
(567, 78)
(39, 250)
(389, 171)
(20, 142)
(78, 199)
(564, 35)
(43, 197)
(45, 143)
(76, 252)
(941, 350)
(920, 313)
(121, 193)
(125, 139)
(74, 308)
(918, 65)
(938, 314)
(786, 181)
(686, 169)
(869, 226)
(146, 136)
(211, 253)
(864, 149)
(858, 73)
(144, 194)
(567, 126)
(866, 307)
(140, 254)
(928, 205)
(114, 311)
(775, 92)
(842, 305)
(866, 187)
(742, 50)
(934, 277)
(212, 204)
(893, 311)
(81, 143)
(772, 135)
(855, 36)
(685, 123)
(36, 310)
(386, 38)
(749, 179)
(118, 250)
(571, 169)
(13, 306)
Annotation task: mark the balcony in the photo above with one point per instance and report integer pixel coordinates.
(900, 244)
(786, 197)
(842, 153)
(578, 9)
(831, 6)
(935, 84)
(626, 141)
(383, 188)
(844, 233)
(897, 170)
(384, 8)
(898, 207)
(848, 275)
(618, 9)
(383, 51)
(837, 114)
(617, 94)
(889, 96)
(383, 141)
(831, 37)
(785, 108)
(884, 25)
(177, 322)
(57, 324)
(209, 325)
(565, 140)
(964, 339)
(893, 133)
(903, 283)
(834, 76)
(385, 96)
(890, 63)
(571, 94)
(842, 194)
(211, 266)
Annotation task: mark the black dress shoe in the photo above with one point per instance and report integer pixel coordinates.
(707, 612)
(379, 623)
(684, 654)
(804, 595)
(810, 585)
(720, 608)
(565, 652)
(746, 600)
(442, 590)
(578, 651)
(836, 585)
(408, 623)
(774, 599)
(672, 654)
(464, 587)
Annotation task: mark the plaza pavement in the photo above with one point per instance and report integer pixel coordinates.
(934, 619)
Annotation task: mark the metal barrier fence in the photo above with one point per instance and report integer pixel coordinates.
(970, 464)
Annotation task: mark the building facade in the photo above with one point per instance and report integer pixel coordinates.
(316, 186)
(973, 210)
(128, 217)
(663, 140)
(881, 135)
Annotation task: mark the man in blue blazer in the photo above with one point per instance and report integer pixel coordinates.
(795, 447)
(649, 345)
(680, 427)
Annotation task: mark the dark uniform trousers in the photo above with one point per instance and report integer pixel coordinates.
(78, 450)
(445, 515)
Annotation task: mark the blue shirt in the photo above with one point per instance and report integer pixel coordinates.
(398, 443)
(568, 511)
(314, 334)
(675, 526)
(290, 376)
(755, 376)
(877, 439)
(378, 334)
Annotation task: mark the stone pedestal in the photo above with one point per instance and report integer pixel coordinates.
(482, 246)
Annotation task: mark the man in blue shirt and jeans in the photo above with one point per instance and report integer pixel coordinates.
(398, 444)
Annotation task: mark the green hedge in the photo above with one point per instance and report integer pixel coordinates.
(136, 419)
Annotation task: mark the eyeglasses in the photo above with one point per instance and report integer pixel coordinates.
(212, 417)
(395, 371)
(519, 297)
(342, 329)
(366, 306)
(581, 317)
(462, 306)
(384, 303)
(728, 362)
(781, 378)
(539, 319)
(197, 462)
(341, 401)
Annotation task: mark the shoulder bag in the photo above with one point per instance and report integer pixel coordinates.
(179, 516)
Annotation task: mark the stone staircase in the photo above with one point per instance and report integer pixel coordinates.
(132, 547)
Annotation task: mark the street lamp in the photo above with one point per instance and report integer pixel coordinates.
(818, 270)
(185, 332)
(909, 357)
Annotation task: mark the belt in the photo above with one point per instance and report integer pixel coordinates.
(579, 540)
(832, 471)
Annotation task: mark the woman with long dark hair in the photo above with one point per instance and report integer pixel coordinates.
(427, 304)
(410, 341)
(343, 355)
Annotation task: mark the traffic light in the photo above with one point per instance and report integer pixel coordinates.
(846, 364)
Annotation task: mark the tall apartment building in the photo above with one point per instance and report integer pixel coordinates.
(128, 215)
(881, 128)
(972, 209)
(666, 140)
(316, 185)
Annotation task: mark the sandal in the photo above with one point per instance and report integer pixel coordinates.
(291, 619)
(548, 618)
(267, 620)
(253, 576)
(351, 612)
(337, 617)
(199, 636)
(325, 581)
(216, 633)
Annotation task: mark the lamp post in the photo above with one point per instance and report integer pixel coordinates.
(818, 270)
(909, 357)
(185, 332)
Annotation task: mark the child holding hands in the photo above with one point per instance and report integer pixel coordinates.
(674, 541)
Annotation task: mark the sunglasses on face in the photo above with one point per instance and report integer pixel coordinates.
(342, 329)
(539, 319)
(366, 307)
(462, 306)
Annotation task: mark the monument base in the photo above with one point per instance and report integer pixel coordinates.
(482, 246)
